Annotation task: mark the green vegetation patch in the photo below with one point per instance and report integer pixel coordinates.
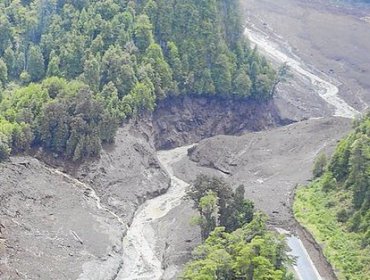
(335, 208)
(318, 211)
(128, 54)
(236, 242)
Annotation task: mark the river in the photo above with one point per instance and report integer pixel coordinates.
(140, 257)
(329, 92)
(324, 88)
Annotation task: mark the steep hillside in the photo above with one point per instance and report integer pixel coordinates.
(336, 206)
(97, 63)
(186, 120)
(74, 226)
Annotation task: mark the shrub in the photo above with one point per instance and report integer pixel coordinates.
(342, 216)
(328, 182)
(319, 166)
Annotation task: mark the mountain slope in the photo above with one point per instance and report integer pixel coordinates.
(336, 206)
(100, 62)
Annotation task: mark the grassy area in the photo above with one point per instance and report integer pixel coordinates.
(317, 211)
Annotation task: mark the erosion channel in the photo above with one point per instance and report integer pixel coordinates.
(121, 220)
(141, 259)
(228, 156)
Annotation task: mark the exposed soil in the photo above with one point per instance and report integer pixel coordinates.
(76, 227)
(333, 40)
(269, 164)
(80, 217)
(185, 120)
(50, 224)
(53, 226)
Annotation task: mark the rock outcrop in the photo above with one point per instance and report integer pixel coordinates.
(186, 120)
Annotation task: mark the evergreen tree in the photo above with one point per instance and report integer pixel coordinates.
(53, 67)
(5, 31)
(208, 213)
(4, 148)
(162, 74)
(10, 61)
(221, 74)
(118, 67)
(233, 209)
(359, 176)
(143, 32)
(35, 63)
(3, 73)
(242, 84)
(91, 74)
(239, 211)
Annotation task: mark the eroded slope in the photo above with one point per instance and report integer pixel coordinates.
(74, 227)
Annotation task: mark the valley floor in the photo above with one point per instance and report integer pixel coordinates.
(330, 43)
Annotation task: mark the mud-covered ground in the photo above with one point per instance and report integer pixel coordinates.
(330, 41)
(269, 164)
(333, 39)
(53, 226)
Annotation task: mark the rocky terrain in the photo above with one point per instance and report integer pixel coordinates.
(185, 120)
(330, 38)
(269, 164)
(75, 216)
(69, 222)
(74, 226)
(50, 221)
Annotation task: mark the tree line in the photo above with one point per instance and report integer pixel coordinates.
(335, 207)
(128, 55)
(349, 171)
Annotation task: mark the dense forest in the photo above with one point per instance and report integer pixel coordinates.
(236, 242)
(72, 71)
(336, 206)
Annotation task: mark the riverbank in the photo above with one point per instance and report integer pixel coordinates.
(333, 41)
(327, 39)
(142, 257)
(343, 248)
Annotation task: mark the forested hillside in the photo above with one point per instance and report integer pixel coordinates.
(336, 207)
(71, 71)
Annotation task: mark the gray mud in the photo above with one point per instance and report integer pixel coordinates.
(53, 226)
(269, 164)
